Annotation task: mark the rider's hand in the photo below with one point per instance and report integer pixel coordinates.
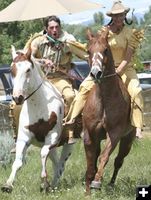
(48, 63)
(119, 71)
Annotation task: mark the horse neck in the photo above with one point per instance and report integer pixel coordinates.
(44, 89)
(110, 67)
(109, 83)
(35, 85)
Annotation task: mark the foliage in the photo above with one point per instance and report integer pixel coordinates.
(6, 143)
(146, 24)
(17, 33)
(98, 18)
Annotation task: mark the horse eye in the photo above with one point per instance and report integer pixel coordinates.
(28, 70)
(105, 52)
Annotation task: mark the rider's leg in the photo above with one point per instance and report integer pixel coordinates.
(65, 88)
(76, 106)
(137, 105)
(137, 114)
(79, 101)
(14, 116)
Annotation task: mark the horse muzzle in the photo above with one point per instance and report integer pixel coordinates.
(96, 72)
(19, 100)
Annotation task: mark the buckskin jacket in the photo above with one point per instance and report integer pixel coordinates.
(60, 51)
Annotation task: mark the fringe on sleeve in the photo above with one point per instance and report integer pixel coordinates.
(136, 39)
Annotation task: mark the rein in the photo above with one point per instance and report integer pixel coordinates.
(104, 77)
(108, 76)
(33, 91)
(96, 59)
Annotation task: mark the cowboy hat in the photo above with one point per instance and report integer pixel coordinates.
(117, 8)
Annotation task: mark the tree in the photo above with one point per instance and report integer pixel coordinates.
(98, 18)
(17, 33)
(146, 47)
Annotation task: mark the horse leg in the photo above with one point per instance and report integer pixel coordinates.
(92, 150)
(21, 147)
(124, 149)
(51, 141)
(44, 177)
(65, 154)
(54, 158)
(103, 159)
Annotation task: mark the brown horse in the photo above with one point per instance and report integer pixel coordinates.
(106, 113)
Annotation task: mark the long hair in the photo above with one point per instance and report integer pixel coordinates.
(126, 21)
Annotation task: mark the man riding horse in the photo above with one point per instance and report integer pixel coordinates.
(54, 50)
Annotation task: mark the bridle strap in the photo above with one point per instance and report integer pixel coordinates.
(33, 91)
(108, 76)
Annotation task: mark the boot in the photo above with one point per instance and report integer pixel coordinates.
(13, 150)
(139, 133)
(71, 139)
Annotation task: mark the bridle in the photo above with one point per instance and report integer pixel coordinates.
(98, 60)
(33, 91)
(36, 88)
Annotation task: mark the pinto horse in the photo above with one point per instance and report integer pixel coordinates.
(40, 120)
(106, 114)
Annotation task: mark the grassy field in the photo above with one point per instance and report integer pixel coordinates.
(135, 171)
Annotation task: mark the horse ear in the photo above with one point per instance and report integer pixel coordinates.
(105, 32)
(89, 34)
(13, 51)
(28, 53)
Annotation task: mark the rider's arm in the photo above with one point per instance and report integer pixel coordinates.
(78, 49)
(36, 54)
(121, 68)
(133, 43)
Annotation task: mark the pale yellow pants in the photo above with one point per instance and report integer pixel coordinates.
(132, 83)
(65, 88)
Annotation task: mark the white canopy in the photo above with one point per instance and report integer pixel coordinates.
(21, 10)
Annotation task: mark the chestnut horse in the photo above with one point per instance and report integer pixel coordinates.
(106, 113)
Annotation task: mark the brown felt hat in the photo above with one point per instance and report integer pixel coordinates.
(117, 8)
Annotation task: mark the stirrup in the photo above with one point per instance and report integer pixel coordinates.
(70, 122)
(72, 141)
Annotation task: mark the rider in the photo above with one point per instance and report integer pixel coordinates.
(54, 49)
(123, 42)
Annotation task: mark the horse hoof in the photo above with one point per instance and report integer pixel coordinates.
(111, 184)
(7, 188)
(95, 185)
(45, 187)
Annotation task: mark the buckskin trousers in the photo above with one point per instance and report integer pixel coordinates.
(65, 88)
(132, 83)
(134, 90)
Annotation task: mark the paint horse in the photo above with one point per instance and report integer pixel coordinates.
(40, 120)
(106, 114)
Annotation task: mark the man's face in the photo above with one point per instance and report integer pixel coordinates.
(54, 29)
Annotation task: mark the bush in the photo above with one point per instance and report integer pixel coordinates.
(6, 143)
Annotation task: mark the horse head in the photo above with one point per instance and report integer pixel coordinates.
(100, 57)
(21, 69)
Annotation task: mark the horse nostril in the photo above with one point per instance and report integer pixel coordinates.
(19, 100)
(99, 74)
(91, 74)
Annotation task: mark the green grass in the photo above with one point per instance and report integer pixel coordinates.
(136, 170)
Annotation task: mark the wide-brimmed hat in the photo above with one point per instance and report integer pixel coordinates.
(117, 8)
